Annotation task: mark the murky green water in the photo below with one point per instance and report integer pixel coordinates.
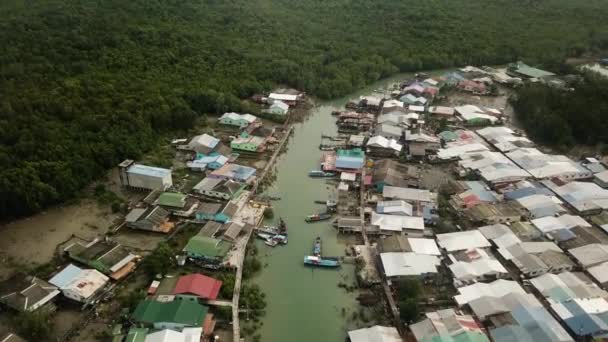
(306, 304)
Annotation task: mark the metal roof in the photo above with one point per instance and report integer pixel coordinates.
(149, 171)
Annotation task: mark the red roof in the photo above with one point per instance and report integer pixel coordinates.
(198, 284)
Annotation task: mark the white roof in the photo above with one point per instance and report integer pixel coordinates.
(541, 165)
(392, 103)
(407, 194)
(441, 110)
(168, 335)
(280, 104)
(424, 246)
(458, 241)
(371, 100)
(348, 176)
(405, 264)
(590, 255)
(581, 195)
(204, 140)
(550, 223)
(495, 289)
(235, 116)
(459, 150)
(602, 176)
(87, 283)
(430, 81)
(283, 97)
(380, 141)
(416, 108)
(478, 268)
(375, 334)
(399, 207)
(397, 222)
(599, 272)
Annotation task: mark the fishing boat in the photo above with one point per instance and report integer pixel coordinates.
(320, 173)
(316, 247)
(272, 230)
(264, 236)
(317, 217)
(271, 242)
(313, 260)
(279, 238)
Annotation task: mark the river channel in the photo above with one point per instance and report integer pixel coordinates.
(305, 304)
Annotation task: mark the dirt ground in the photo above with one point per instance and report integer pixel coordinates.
(32, 241)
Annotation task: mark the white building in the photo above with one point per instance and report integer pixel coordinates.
(460, 241)
(376, 333)
(148, 177)
(398, 264)
(78, 284)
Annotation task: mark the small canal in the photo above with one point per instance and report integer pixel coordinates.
(305, 304)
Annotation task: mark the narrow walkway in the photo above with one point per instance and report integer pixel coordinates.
(236, 328)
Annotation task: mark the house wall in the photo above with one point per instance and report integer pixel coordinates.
(149, 182)
(245, 147)
(238, 123)
(169, 325)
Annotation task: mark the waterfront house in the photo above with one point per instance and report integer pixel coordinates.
(389, 131)
(179, 204)
(421, 144)
(352, 159)
(108, 257)
(288, 99)
(23, 293)
(392, 173)
(401, 265)
(235, 172)
(81, 285)
(403, 225)
(238, 120)
(155, 219)
(225, 189)
(249, 144)
(207, 248)
(206, 145)
(381, 146)
(212, 162)
(198, 285)
(408, 194)
(278, 108)
(180, 313)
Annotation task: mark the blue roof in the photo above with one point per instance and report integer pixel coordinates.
(586, 324)
(148, 170)
(539, 324)
(479, 189)
(562, 235)
(66, 276)
(211, 159)
(347, 162)
(510, 333)
(524, 192)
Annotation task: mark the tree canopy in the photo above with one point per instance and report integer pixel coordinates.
(561, 118)
(87, 83)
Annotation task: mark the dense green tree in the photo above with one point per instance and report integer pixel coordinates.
(34, 326)
(88, 83)
(159, 262)
(562, 117)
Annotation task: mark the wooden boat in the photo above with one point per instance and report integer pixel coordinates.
(313, 260)
(271, 242)
(317, 217)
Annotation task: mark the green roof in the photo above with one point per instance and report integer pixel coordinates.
(137, 335)
(172, 199)
(448, 136)
(186, 311)
(207, 246)
(355, 152)
(526, 70)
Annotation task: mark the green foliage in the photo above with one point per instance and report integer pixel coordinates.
(227, 288)
(253, 299)
(561, 118)
(86, 84)
(130, 300)
(160, 261)
(409, 310)
(251, 265)
(408, 288)
(34, 326)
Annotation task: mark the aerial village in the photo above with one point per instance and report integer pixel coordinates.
(509, 242)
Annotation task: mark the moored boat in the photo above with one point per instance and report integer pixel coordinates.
(271, 242)
(317, 217)
(316, 247)
(320, 173)
(313, 260)
(282, 239)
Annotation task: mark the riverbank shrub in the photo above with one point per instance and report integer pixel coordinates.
(111, 76)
